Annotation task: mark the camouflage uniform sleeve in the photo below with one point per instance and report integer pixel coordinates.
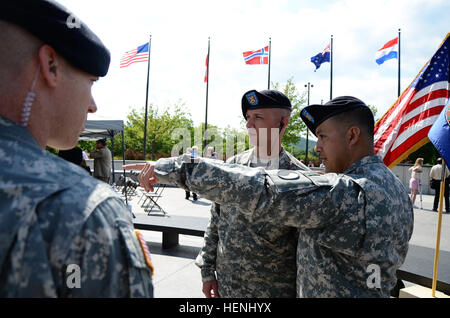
(206, 259)
(302, 199)
(110, 257)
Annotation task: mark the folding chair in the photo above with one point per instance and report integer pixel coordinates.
(152, 199)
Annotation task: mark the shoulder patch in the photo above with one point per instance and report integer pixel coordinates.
(299, 181)
(145, 250)
(288, 175)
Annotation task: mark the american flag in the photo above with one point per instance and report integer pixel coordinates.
(404, 127)
(257, 57)
(134, 56)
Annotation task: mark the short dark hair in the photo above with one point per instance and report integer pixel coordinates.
(102, 141)
(361, 117)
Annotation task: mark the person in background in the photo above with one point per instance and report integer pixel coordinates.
(102, 161)
(435, 179)
(190, 151)
(73, 155)
(210, 153)
(414, 181)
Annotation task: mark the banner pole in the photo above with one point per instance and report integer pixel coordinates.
(206, 107)
(146, 96)
(331, 68)
(438, 235)
(270, 54)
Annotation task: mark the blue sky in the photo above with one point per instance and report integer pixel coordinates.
(299, 30)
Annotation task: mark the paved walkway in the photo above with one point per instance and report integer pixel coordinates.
(177, 276)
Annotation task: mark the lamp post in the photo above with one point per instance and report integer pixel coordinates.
(309, 85)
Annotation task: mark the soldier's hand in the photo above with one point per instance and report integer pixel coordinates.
(147, 176)
(210, 289)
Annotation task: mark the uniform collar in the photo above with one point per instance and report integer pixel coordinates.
(12, 130)
(363, 162)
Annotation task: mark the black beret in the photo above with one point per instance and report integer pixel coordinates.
(264, 99)
(314, 115)
(54, 25)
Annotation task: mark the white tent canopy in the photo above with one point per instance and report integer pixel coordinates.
(101, 129)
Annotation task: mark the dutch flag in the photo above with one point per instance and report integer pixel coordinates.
(387, 52)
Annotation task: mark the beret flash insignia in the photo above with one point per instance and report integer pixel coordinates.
(308, 116)
(252, 99)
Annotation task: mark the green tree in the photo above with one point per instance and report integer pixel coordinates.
(296, 127)
(160, 127)
(374, 110)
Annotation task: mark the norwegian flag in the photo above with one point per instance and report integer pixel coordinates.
(257, 57)
(404, 127)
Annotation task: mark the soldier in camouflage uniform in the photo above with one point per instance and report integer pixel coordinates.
(62, 233)
(355, 221)
(253, 259)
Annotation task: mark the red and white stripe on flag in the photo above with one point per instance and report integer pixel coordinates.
(133, 56)
(404, 127)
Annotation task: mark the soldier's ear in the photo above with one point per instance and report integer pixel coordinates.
(353, 135)
(49, 65)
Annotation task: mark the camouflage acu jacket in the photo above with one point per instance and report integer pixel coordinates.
(57, 223)
(250, 259)
(354, 227)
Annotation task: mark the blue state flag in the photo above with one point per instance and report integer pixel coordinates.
(322, 57)
(439, 133)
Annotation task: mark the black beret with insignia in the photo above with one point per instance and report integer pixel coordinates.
(264, 99)
(314, 115)
(54, 25)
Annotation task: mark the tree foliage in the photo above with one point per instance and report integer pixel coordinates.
(296, 127)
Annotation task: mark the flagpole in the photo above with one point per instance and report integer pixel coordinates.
(398, 90)
(270, 53)
(438, 235)
(207, 88)
(331, 69)
(146, 96)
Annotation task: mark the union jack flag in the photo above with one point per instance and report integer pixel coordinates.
(404, 127)
(140, 54)
(257, 57)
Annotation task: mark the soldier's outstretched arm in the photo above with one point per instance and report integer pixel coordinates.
(300, 199)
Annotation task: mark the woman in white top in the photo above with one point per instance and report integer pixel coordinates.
(414, 182)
